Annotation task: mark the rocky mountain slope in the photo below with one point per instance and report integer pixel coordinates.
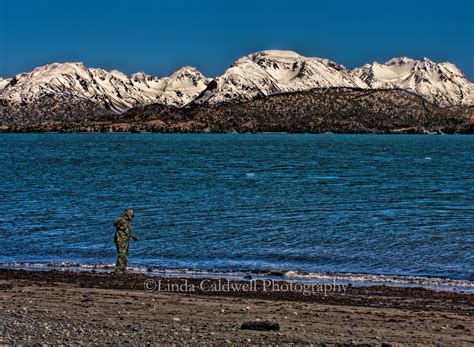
(272, 72)
(337, 110)
(440, 83)
(110, 91)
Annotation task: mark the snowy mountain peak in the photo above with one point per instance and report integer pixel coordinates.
(51, 71)
(398, 61)
(441, 83)
(271, 72)
(141, 77)
(61, 66)
(188, 70)
(276, 54)
(4, 82)
(185, 83)
(189, 74)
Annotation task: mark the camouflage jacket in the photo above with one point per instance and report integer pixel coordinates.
(123, 229)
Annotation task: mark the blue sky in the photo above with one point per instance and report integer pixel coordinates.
(160, 36)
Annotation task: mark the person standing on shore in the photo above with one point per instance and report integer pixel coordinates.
(123, 232)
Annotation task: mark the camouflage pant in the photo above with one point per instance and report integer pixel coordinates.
(122, 256)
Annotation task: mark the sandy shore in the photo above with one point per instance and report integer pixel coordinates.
(86, 308)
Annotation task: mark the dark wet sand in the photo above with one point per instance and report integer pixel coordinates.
(86, 308)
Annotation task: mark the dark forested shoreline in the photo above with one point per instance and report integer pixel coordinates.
(333, 110)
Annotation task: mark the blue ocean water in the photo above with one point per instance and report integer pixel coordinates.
(309, 204)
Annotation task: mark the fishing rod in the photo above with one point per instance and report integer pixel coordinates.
(101, 255)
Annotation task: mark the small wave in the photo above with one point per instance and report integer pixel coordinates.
(60, 265)
(363, 279)
(360, 279)
(327, 177)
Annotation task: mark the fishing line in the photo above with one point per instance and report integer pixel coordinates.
(101, 255)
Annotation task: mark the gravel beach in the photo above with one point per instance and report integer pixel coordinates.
(56, 307)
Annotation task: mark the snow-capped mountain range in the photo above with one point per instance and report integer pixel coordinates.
(253, 76)
(441, 83)
(111, 89)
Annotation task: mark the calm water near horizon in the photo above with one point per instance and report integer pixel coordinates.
(359, 204)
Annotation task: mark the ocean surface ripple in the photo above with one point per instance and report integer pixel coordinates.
(307, 204)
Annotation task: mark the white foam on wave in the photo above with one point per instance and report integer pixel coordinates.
(406, 280)
(59, 265)
(359, 279)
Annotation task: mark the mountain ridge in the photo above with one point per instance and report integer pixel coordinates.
(253, 76)
(111, 90)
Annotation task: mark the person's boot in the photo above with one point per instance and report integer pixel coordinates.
(119, 271)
